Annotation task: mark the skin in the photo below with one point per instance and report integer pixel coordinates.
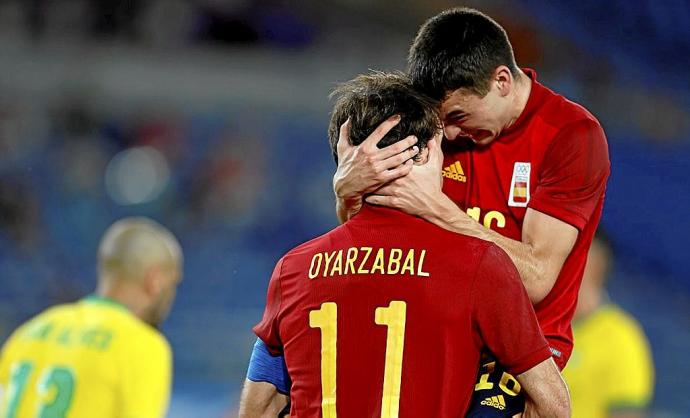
(593, 294)
(592, 291)
(261, 400)
(546, 241)
(140, 266)
(547, 395)
(546, 392)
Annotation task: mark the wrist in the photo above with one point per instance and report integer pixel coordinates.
(446, 214)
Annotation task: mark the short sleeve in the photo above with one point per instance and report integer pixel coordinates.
(267, 329)
(504, 316)
(633, 370)
(147, 378)
(572, 177)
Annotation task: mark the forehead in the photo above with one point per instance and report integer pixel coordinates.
(460, 100)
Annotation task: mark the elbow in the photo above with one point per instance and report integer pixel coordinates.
(541, 284)
(538, 290)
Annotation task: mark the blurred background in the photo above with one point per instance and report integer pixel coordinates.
(210, 116)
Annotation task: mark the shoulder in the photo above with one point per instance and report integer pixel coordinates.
(566, 121)
(137, 336)
(54, 313)
(303, 252)
(151, 339)
(558, 111)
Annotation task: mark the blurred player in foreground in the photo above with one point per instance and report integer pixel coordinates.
(387, 314)
(524, 168)
(611, 373)
(102, 356)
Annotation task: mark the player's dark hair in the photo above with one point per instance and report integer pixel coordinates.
(458, 48)
(370, 99)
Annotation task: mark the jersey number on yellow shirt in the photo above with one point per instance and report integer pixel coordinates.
(55, 387)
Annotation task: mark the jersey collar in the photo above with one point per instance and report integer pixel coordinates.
(104, 301)
(533, 102)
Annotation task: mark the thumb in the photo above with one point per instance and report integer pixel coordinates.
(344, 138)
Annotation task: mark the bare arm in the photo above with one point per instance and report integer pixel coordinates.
(539, 257)
(546, 392)
(261, 400)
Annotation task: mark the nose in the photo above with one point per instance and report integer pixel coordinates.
(451, 132)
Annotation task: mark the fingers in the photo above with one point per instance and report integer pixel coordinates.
(380, 131)
(344, 137)
(380, 200)
(400, 158)
(398, 147)
(395, 173)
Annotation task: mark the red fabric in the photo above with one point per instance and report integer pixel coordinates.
(472, 298)
(568, 156)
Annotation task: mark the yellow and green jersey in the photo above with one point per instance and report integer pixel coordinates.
(89, 359)
(611, 367)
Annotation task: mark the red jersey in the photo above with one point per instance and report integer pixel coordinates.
(386, 315)
(554, 159)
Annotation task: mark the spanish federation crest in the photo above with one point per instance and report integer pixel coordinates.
(519, 185)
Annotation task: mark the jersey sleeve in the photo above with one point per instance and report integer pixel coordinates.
(573, 176)
(267, 329)
(503, 315)
(632, 370)
(147, 378)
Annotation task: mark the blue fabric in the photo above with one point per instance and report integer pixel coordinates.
(264, 367)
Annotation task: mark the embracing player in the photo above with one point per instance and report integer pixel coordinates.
(523, 167)
(386, 315)
(102, 356)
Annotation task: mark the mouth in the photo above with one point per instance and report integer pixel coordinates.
(479, 137)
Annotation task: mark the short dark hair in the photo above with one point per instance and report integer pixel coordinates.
(370, 99)
(458, 48)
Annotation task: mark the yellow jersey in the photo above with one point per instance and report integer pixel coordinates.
(611, 366)
(90, 359)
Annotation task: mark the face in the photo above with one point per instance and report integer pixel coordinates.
(466, 115)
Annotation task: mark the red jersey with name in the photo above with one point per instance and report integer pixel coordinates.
(386, 315)
(554, 159)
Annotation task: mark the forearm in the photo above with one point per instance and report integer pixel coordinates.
(535, 274)
(546, 394)
(261, 400)
(548, 410)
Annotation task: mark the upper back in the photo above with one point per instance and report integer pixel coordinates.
(384, 301)
(76, 359)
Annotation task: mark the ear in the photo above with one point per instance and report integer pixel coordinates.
(154, 281)
(503, 80)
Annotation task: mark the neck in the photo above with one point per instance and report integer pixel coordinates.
(123, 293)
(588, 304)
(523, 88)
